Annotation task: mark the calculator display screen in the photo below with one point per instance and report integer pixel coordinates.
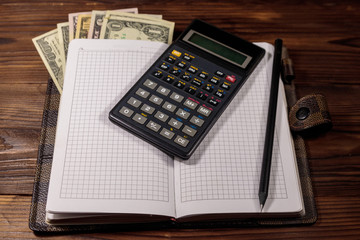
(217, 48)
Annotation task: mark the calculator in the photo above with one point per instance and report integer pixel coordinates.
(181, 96)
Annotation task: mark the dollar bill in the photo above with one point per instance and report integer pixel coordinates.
(149, 17)
(97, 18)
(158, 16)
(133, 27)
(73, 18)
(63, 32)
(112, 13)
(83, 25)
(48, 47)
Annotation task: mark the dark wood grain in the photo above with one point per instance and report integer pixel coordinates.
(323, 39)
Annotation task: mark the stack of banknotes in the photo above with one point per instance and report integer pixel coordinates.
(116, 24)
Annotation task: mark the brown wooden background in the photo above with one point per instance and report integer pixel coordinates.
(323, 38)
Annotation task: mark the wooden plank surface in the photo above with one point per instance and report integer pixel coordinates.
(323, 38)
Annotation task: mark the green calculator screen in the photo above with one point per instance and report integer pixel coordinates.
(218, 49)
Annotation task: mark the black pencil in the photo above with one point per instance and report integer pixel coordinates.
(270, 126)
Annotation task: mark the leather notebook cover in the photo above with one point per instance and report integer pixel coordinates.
(38, 206)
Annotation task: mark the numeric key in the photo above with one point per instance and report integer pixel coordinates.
(163, 91)
(155, 99)
(168, 106)
(161, 116)
(125, 111)
(134, 102)
(150, 84)
(146, 108)
(142, 93)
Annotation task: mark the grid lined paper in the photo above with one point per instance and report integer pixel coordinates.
(103, 161)
(227, 164)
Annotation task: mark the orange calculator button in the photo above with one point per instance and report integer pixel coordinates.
(176, 53)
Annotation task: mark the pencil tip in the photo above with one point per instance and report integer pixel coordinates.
(261, 207)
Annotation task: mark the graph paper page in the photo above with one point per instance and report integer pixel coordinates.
(223, 174)
(97, 166)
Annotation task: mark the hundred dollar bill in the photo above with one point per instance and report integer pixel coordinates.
(63, 32)
(83, 25)
(97, 18)
(73, 18)
(137, 28)
(48, 48)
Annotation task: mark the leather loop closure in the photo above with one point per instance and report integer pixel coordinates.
(310, 115)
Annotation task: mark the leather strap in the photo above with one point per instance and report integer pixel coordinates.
(310, 115)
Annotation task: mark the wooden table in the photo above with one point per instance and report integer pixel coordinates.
(323, 38)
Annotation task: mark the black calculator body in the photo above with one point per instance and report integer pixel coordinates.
(180, 97)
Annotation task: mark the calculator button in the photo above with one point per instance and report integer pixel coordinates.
(197, 121)
(213, 102)
(168, 106)
(203, 75)
(219, 73)
(189, 131)
(197, 82)
(190, 90)
(161, 116)
(163, 91)
(139, 118)
(192, 69)
(179, 84)
(158, 74)
(181, 141)
(175, 123)
(214, 81)
(181, 64)
(220, 93)
(125, 111)
(167, 133)
(165, 66)
(190, 104)
(170, 59)
(155, 99)
(176, 97)
(169, 79)
(146, 108)
(134, 102)
(186, 77)
(231, 78)
(225, 86)
(175, 71)
(208, 87)
(187, 58)
(183, 114)
(176, 53)
(201, 95)
(142, 93)
(150, 84)
(204, 111)
(153, 126)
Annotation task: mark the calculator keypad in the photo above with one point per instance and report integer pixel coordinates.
(177, 98)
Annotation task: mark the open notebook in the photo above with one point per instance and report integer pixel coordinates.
(103, 174)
